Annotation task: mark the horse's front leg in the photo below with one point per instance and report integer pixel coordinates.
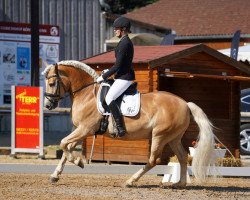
(54, 177)
(77, 135)
(68, 144)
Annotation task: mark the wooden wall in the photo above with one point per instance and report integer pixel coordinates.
(147, 79)
(107, 149)
(218, 98)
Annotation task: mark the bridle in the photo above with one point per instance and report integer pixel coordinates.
(55, 97)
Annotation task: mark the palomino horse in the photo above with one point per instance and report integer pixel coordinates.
(163, 119)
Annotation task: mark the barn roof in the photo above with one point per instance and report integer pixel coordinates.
(157, 56)
(196, 18)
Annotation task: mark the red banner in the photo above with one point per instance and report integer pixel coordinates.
(27, 117)
(23, 28)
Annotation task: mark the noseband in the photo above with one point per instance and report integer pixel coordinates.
(55, 97)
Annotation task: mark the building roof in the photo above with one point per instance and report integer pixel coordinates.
(196, 17)
(142, 54)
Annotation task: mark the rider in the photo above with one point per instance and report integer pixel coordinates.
(123, 70)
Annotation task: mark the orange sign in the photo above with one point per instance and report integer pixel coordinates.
(27, 117)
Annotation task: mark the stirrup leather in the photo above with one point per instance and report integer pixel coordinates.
(103, 125)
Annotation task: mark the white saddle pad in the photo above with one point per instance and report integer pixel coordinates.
(130, 105)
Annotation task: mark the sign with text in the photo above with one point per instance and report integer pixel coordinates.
(15, 55)
(27, 119)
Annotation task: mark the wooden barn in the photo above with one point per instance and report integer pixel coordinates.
(196, 73)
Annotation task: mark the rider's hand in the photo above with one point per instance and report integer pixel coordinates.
(99, 79)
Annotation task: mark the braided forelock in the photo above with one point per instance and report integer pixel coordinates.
(75, 64)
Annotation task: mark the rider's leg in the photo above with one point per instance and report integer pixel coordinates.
(119, 121)
(118, 87)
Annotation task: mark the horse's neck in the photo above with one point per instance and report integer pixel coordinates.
(86, 95)
(78, 79)
(83, 99)
(84, 104)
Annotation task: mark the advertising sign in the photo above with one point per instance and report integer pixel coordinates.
(27, 120)
(15, 55)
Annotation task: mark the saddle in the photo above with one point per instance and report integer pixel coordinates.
(129, 101)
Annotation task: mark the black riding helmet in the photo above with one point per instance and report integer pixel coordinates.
(122, 22)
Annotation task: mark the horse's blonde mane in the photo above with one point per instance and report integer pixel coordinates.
(75, 64)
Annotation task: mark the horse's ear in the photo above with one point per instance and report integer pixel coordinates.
(56, 69)
(46, 64)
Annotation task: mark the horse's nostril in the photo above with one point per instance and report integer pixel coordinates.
(48, 107)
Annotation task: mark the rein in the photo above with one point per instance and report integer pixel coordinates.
(83, 87)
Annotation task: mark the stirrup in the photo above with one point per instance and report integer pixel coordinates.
(103, 125)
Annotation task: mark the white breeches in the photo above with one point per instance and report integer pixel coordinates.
(118, 87)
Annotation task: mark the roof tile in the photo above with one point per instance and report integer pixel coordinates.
(197, 17)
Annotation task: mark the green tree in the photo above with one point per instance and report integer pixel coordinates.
(124, 6)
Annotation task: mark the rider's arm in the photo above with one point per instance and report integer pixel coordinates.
(120, 57)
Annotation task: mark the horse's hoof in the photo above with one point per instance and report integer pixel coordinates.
(129, 185)
(162, 185)
(179, 185)
(165, 185)
(81, 164)
(53, 179)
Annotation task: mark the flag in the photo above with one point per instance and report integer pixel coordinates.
(235, 45)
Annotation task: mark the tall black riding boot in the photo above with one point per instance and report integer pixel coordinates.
(103, 125)
(115, 111)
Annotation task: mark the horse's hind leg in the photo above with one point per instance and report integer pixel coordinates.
(130, 182)
(181, 154)
(156, 150)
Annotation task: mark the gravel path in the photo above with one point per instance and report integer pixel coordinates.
(16, 186)
(109, 187)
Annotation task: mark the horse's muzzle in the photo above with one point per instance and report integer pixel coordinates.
(50, 105)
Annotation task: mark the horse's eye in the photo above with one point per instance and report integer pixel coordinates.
(52, 84)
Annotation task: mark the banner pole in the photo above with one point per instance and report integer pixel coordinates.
(13, 120)
(41, 152)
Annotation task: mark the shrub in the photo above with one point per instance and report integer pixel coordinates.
(229, 162)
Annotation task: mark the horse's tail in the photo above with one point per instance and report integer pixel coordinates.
(205, 147)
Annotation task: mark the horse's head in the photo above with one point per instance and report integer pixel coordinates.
(55, 87)
(66, 76)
